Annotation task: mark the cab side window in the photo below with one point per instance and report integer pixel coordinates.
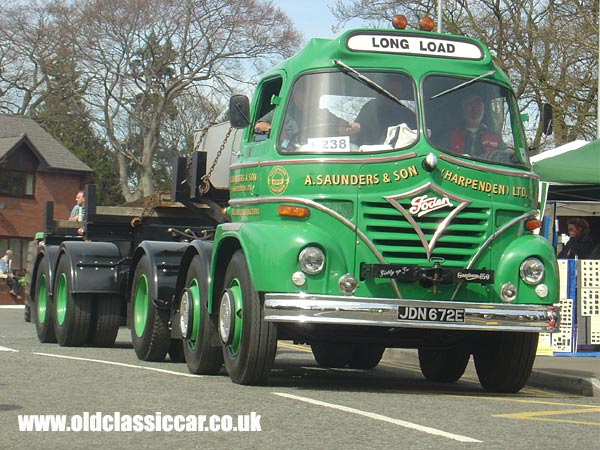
(266, 106)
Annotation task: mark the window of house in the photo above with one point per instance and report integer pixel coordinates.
(16, 183)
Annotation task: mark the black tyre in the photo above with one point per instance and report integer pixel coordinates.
(106, 319)
(249, 343)
(445, 365)
(504, 360)
(332, 355)
(32, 249)
(42, 304)
(150, 333)
(366, 357)
(202, 347)
(175, 352)
(72, 313)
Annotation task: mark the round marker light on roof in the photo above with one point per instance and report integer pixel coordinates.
(399, 22)
(426, 23)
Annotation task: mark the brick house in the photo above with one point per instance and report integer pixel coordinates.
(34, 168)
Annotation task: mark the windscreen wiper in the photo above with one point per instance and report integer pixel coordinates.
(462, 85)
(366, 80)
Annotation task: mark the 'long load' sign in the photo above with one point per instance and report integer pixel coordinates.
(413, 45)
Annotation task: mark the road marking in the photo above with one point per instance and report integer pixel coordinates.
(6, 349)
(370, 415)
(296, 347)
(541, 415)
(12, 306)
(113, 363)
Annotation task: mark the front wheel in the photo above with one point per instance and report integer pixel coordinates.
(504, 360)
(249, 343)
(150, 333)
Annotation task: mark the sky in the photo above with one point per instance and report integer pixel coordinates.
(311, 17)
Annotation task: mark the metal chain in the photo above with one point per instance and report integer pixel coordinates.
(150, 203)
(206, 178)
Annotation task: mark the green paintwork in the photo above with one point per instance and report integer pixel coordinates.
(238, 316)
(194, 291)
(42, 299)
(60, 298)
(140, 305)
(351, 217)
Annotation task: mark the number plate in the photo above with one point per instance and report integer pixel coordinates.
(328, 144)
(430, 314)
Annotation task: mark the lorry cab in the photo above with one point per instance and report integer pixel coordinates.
(383, 184)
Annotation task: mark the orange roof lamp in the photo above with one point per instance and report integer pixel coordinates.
(400, 22)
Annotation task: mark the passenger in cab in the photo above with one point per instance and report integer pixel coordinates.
(474, 137)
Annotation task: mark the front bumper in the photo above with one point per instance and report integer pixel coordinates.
(384, 312)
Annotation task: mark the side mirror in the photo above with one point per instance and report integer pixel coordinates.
(547, 119)
(239, 111)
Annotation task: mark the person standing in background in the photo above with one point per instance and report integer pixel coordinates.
(580, 243)
(6, 272)
(77, 210)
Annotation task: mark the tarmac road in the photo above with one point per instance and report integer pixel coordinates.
(302, 406)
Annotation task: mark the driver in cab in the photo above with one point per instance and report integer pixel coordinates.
(304, 119)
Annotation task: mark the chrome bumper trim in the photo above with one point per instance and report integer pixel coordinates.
(383, 312)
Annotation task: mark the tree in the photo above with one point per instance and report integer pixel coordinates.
(134, 76)
(141, 56)
(548, 49)
(41, 80)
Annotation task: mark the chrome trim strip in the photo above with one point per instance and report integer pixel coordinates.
(362, 160)
(512, 173)
(320, 207)
(383, 312)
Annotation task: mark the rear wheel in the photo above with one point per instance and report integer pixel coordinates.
(106, 319)
(72, 312)
(332, 355)
(365, 356)
(201, 345)
(42, 307)
(444, 365)
(504, 360)
(249, 343)
(150, 333)
(32, 249)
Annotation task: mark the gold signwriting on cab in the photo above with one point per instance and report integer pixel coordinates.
(483, 186)
(360, 180)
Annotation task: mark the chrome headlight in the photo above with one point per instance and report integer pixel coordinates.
(532, 271)
(311, 260)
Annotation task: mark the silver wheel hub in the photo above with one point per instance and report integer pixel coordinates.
(226, 317)
(185, 313)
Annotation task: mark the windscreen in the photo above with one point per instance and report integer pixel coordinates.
(475, 119)
(331, 112)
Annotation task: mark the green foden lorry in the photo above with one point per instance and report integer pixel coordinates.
(364, 211)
